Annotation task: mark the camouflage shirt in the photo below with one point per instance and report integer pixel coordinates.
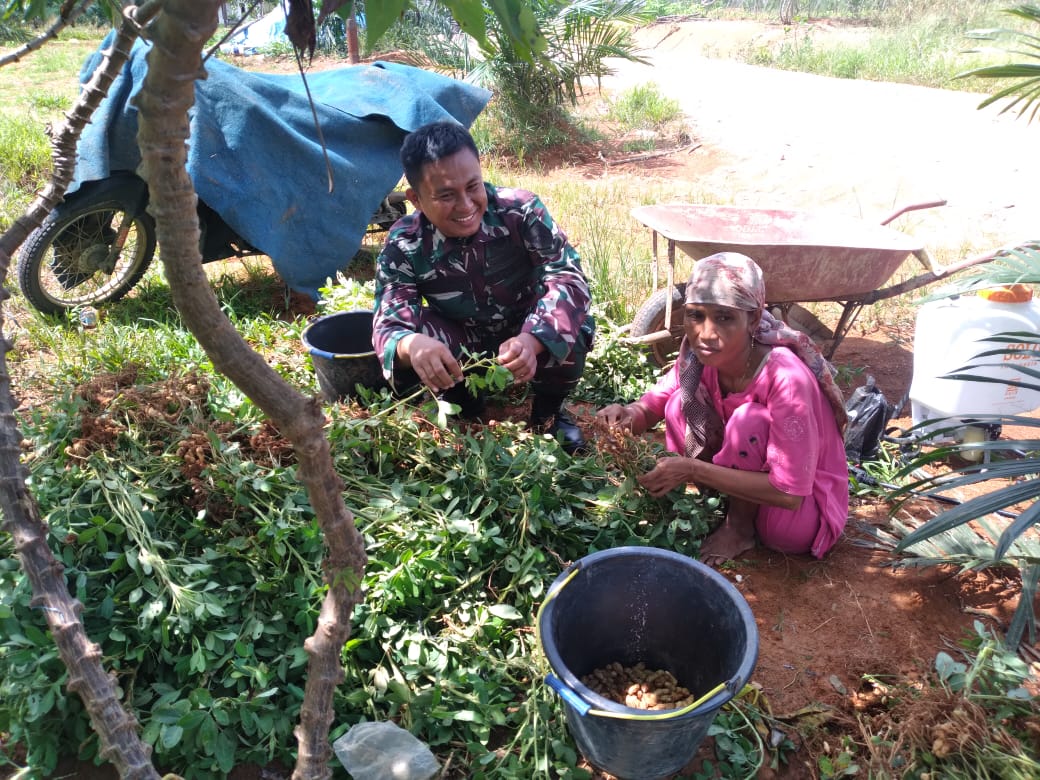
(517, 273)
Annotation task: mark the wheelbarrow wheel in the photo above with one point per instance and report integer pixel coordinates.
(70, 261)
(650, 319)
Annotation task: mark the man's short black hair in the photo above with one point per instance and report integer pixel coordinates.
(432, 142)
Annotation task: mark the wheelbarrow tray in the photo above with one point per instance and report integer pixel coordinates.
(804, 256)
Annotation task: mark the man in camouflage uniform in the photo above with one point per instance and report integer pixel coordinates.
(480, 267)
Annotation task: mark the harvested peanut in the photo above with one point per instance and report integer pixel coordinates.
(638, 687)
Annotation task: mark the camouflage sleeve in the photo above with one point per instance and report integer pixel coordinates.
(397, 303)
(562, 309)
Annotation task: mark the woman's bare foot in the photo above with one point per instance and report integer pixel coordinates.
(725, 545)
(734, 536)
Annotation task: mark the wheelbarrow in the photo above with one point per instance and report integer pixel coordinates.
(804, 257)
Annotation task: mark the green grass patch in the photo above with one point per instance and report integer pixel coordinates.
(49, 101)
(643, 107)
(929, 50)
(25, 152)
(46, 81)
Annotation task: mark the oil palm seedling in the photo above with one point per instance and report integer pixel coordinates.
(996, 527)
(581, 35)
(1001, 518)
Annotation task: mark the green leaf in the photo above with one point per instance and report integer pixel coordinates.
(35, 635)
(192, 720)
(379, 17)
(470, 17)
(208, 734)
(1021, 524)
(170, 714)
(505, 612)
(1024, 618)
(198, 661)
(169, 736)
(225, 752)
(946, 667)
(518, 21)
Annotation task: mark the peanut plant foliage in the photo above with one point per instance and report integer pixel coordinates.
(184, 529)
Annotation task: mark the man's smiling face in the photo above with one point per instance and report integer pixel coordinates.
(451, 194)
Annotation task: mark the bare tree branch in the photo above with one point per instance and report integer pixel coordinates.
(67, 14)
(174, 63)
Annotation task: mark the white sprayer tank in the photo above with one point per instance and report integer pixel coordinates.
(949, 335)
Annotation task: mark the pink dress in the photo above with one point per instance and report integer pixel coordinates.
(780, 424)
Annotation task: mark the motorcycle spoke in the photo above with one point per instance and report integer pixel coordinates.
(74, 273)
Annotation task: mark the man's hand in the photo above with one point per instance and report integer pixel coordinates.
(669, 473)
(520, 355)
(431, 360)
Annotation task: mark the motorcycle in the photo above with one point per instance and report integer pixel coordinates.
(95, 246)
(258, 168)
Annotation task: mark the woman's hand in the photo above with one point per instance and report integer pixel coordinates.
(520, 355)
(669, 473)
(617, 416)
(431, 360)
(631, 417)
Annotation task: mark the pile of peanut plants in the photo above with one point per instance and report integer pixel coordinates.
(185, 532)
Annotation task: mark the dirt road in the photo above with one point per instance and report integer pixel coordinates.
(795, 140)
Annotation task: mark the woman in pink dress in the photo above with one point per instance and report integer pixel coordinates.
(753, 412)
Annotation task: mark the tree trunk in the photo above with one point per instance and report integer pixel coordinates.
(116, 729)
(174, 62)
(353, 47)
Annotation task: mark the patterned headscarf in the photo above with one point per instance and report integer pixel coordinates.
(735, 280)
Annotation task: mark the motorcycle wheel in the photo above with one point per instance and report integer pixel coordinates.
(650, 319)
(71, 259)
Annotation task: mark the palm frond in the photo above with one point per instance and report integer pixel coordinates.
(1011, 265)
(973, 509)
(969, 377)
(1025, 91)
(1018, 526)
(939, 485)
(962, 546)
(1031, 13)
(1024, 618)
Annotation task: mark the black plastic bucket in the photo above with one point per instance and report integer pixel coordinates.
(643, 604)
(340, 345)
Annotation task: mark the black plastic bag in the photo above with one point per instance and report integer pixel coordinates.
(869, 413)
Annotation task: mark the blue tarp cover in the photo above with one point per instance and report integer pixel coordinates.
(255, 156)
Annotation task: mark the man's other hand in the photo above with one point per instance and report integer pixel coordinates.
(520, 355)
(431, 360)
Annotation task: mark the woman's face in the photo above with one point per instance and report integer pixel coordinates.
(720, 335)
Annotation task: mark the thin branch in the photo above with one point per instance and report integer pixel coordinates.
(650, 155)
(67, 14)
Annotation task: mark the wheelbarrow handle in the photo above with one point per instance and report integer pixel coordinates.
(931, 204)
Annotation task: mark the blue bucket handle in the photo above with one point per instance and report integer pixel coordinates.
(567, 694)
